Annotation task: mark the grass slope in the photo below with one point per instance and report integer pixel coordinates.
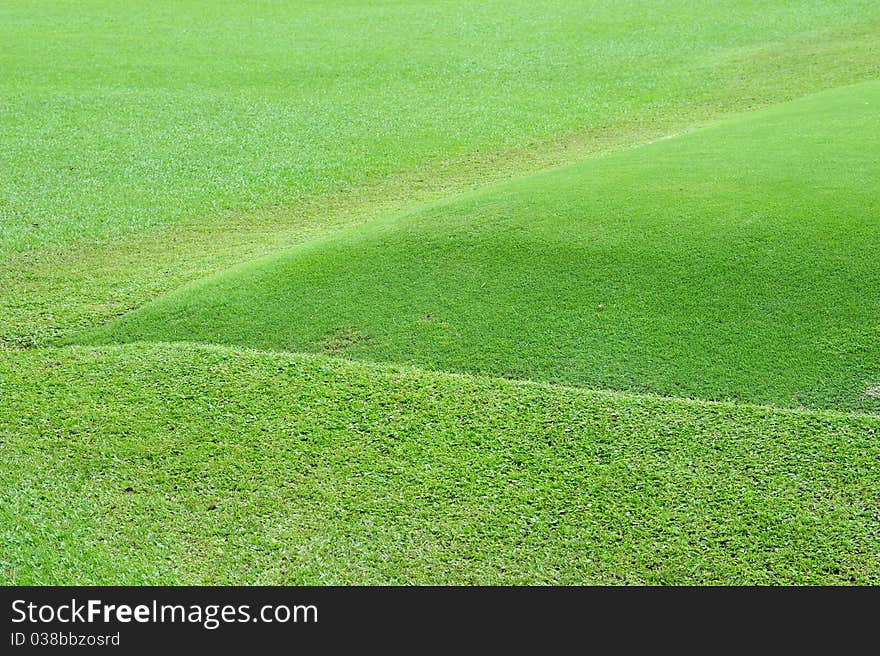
(736, 262)
(146, 145)
(118, 117)
(57, 286)
(187, 464)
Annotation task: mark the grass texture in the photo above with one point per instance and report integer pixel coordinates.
(737, 262)
(377, 153)
(121, 117)
(187, 464)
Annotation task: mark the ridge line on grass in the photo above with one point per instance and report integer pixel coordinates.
(40, 311)
(400, 367)
(487, 187)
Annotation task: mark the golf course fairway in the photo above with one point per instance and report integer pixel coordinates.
(440, 292)
(737, 262)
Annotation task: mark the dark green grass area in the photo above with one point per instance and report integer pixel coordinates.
(121, 116)
(738, 262)
(188, 464)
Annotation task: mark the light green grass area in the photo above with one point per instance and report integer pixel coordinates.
(116, 117)
(50, 291)
(187, 464)
(358, 180)
(737, 262)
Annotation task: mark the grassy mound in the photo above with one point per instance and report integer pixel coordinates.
(140, 154)
(736, 262)
(188, 464)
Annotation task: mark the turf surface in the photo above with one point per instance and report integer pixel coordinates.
(187, 464)
(118, 117)
(736, 262)
(144, 146)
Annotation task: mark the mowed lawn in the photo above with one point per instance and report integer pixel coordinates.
(121, 117)
(738, 262)
(272, 275)
(188, 464)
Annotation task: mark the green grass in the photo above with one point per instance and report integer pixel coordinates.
(736, 262)
(119, 117)
(52, 290)
(187, 464)
(145, 147)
